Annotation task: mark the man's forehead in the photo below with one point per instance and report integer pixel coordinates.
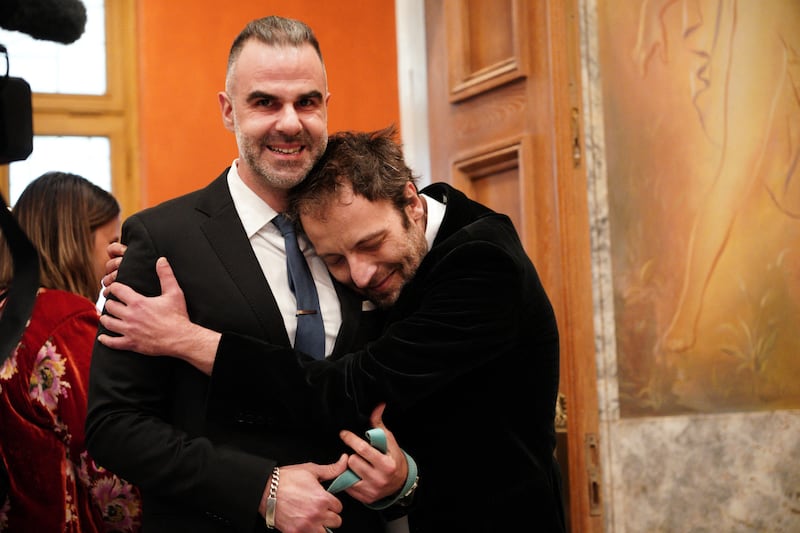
(285, 60)
(291, 51)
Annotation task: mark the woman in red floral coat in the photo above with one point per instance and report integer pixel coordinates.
(52, 484)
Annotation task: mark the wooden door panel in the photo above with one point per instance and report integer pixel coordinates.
(493, 175)
(504, 118)
(480, 58)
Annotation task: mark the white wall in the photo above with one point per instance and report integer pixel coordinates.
(413, 83)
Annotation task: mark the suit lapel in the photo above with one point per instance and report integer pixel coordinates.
(225, 233)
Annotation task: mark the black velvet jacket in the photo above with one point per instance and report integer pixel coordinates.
(468, 364)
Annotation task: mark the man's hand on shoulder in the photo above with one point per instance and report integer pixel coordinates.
(157, 325)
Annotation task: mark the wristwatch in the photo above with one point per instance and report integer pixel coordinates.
(406, 499)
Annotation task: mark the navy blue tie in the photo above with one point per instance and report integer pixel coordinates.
(310, 335)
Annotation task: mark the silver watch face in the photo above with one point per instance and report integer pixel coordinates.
(412, 489)
(405, 498)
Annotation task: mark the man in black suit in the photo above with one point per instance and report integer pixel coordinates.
(149, 419)
(467, 364)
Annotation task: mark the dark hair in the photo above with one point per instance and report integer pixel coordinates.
(371, 162)
(59, 213)
(274, 31)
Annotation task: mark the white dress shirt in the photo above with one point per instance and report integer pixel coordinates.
(267, 242)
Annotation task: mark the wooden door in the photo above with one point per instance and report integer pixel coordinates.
(505, 122)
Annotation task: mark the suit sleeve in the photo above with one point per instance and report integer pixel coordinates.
(459, 315)
(128, 425)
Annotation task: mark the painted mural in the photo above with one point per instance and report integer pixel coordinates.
(702, 125)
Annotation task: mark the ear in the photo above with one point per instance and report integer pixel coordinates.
(416, 207)
(226, 108)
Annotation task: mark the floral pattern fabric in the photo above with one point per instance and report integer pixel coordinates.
(54, 484)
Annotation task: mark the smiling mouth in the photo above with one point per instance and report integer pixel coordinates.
(285, 151)
(383, 285)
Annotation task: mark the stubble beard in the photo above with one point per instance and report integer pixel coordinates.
(416, 249)
(283, 175)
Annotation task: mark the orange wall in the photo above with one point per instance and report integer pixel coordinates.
(183, 50)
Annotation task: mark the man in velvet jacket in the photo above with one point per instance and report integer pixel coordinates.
(467, 363)
(147, 419)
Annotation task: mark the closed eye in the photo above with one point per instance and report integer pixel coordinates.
(371, 245)
(332, 260)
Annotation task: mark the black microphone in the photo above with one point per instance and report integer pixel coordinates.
(63, 21)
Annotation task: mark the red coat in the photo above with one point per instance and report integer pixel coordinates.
(55, 485)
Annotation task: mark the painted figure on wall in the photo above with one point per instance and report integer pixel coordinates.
(722, 79)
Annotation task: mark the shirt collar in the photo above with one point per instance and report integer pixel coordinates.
(435, 216)
(254, 212)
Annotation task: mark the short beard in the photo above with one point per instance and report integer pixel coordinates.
(416, 250)
(269, 176)
(275, 180)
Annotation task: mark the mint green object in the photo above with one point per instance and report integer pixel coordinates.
(377, 438)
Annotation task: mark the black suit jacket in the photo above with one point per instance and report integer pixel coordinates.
(469, 368)
(148, 419)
